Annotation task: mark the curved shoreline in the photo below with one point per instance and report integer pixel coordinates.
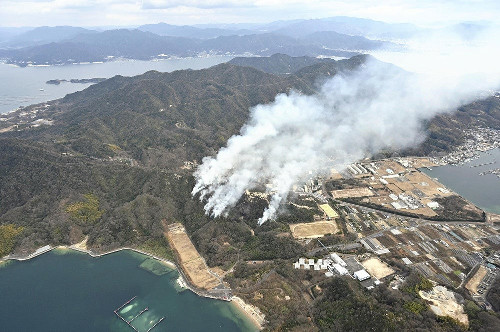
(171, 264)
(120, 59)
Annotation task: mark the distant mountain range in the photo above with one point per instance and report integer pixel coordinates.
(43, 35)
(7, 34)
(164, 29)
(335, 36)
(137, 44)
(350, 26)
(341, 37)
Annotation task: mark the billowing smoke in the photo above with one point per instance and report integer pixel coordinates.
(354, 115)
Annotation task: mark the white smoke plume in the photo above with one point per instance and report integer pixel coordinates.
(354, 115)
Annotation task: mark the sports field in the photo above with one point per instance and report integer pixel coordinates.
(313, 230)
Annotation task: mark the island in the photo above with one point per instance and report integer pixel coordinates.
(76, 80)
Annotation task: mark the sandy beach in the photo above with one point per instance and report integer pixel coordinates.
(252, 312)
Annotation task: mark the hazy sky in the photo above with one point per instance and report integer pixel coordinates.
(136, 12)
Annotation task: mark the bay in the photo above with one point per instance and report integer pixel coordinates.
(65, 290)
(22, 86)
(465, 179)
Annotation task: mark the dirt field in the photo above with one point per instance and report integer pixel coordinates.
(404, 186)
(381, 200)
(191, 262)
(416, 180)
(353, 192)
(377, 268)
(492, 217)
(416, 184)
(389, 164)
(417, 162)
(426, 184)
(313, 230)
(476, 279)
(394, 189)
(425, 211)
(334, 175)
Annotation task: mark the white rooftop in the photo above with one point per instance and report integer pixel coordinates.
(433, 205)
(407, 261)
(340, 269)
(361, 275)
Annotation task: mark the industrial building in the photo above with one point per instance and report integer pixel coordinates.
(311, 264)
(340, 269)
(361, 275)
(336, 258)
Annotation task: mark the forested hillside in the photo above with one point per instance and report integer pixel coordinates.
(116, 163)
(134, 141)
(126, 141)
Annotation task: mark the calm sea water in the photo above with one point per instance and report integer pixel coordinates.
(66, 290)
(482, 190)
(21, 86)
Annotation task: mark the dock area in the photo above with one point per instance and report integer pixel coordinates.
(129, 322)
(34, 254)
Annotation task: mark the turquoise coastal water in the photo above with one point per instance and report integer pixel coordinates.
(64, 290)
(482, 190)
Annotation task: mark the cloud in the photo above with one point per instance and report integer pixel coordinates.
(65, 12)
(107, 12)
(165, 4)
(353, 116)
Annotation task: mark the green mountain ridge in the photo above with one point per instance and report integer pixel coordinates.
(92, 46)
(131, 143)
(155, 121)
(160, 121)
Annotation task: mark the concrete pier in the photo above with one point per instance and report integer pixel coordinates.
(158, 322)
(143, 311)
(116, 310)
(123, 319)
